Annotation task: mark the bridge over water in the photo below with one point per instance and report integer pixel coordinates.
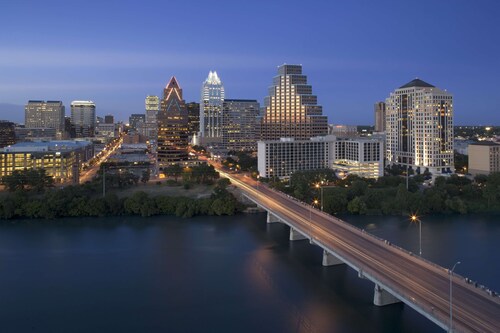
(398, 275)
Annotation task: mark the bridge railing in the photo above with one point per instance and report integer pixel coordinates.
(468, 282)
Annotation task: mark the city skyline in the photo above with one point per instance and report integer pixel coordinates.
(351, 51)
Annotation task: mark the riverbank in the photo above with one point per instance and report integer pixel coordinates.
(81, 201)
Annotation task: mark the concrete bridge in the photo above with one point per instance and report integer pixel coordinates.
(398, 275)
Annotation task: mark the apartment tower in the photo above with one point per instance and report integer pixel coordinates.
(419, 120)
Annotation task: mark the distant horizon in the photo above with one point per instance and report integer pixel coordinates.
(354, 53)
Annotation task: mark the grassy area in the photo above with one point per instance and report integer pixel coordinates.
(151, 188)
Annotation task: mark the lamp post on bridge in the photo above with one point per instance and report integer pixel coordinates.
(414, 218)
(451, 297)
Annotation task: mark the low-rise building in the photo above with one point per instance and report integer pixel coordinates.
(360, 156)
(61, 160)
(484, 158)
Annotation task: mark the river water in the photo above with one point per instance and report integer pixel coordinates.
(213, 274)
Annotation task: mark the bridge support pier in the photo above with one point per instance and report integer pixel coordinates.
(271, 218)
(383, 297)
(296, 235)
(330, 260)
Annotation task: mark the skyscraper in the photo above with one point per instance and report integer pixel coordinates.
(291, 110)
(83, 118)
(44, 114)
(212, 98)
(172, 126)
(379, 110)
(109, 119)
(239, 125)
(419, 119)
(193, 109)
(152, 104)
(135, 118)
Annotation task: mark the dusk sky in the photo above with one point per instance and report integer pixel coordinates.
(353, 52)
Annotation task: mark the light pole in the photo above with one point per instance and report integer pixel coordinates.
(414, 218)
(451, 298)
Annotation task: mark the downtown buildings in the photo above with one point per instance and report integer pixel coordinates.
(290, 121)
(45, 114)
(211, 109)
(419, 128)
(83, 118)
(152, 106)
(239, 124)
(172, 126)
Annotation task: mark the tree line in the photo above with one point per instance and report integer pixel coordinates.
(389, 195)
(86, 200)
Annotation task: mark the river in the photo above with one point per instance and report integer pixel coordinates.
(213, 274)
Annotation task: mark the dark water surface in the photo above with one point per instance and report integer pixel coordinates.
(213, 274)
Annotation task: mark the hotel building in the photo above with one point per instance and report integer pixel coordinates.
(44, 114)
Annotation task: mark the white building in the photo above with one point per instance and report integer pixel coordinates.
(419, 128)
(281, 158)
(360, 156)
(211, 107)
(83, 118)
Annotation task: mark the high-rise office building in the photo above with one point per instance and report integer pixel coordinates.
(152, 105)
(239, 125)
(193, 109)
(419, 133)
(109, 119)
(135, 119)
(7, 133)
(83, 118)
(172, 126)
(44, 114)
(291, 110)
(379, 109)
(212, 98)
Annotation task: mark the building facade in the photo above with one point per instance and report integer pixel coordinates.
(379, 110)
(7, 133)
(61, 160)
(239, 125)
(172, 126)
(281, 158)
(212, 99)
(135, 118)
(359, 156)
(419, 120)
(83, 118)
(343, 131)
(109, 119)
(291, 110)
(152, 106)
(484, 158)
(44, 114)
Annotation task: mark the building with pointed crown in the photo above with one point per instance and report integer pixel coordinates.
(172, 126)
(211, 108)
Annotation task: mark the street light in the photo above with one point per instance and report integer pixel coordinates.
(451, 298)
(414, 218)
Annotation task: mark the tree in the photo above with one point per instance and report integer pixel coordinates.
(145, 176)
(173, 170)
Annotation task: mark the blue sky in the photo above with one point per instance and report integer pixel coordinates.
(354, 52)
